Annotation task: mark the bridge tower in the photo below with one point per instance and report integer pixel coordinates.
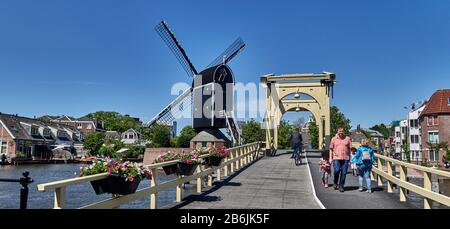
(319, 87)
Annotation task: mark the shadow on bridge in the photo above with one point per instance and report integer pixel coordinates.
(206, 191)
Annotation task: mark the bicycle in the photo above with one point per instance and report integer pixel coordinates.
(298, 157)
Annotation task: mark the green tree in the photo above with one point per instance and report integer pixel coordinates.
(252, 132)
(185, 137)
(113, 121)
(93, 142)
(161, 136)
(405, 148)
(386, 132)
(110, 147)
(284, 134)
(313, 131)
(338, 119)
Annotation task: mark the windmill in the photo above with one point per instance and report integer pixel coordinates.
(211, 93)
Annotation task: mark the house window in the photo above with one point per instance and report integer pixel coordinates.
(34, 131)
(47, 133)
(433, 155)
(3, 147)
(433, 137)
(79, 125)
(414, 138)
(433, 121)
(131, 136)
(414, 123)
(61, 134)
(204, 144)
(448, 101)
(89, 126)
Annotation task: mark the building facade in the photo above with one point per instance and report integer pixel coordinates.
(435, 125)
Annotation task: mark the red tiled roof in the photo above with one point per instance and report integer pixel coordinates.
(438, 103)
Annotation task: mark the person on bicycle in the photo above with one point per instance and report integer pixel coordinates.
(296, 142)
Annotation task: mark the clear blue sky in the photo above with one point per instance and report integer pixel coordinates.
(75, 57)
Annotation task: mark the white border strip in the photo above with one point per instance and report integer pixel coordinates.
(312, 184)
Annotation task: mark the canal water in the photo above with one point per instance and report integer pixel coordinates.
(83, 194)
(76, 195)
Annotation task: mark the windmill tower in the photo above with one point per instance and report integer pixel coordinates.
(211, 94)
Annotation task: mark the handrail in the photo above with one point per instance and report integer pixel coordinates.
(402, 182)
(414, 166)
(239, 155)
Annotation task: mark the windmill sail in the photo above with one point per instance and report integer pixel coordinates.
(237, 46)
(174, 110)
(171, 41)
(233, 128)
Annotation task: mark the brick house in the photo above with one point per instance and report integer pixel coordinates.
(435, 125)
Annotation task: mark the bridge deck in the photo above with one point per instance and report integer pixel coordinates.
(268, 183)
(352, 198)
(276, 183)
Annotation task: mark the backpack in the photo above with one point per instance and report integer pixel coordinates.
(365, 156)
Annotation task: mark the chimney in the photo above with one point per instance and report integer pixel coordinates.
(358, 128)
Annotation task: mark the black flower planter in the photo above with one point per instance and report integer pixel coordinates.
(118, 185)
(186, 169)
(101, 186)
(214, 161)
(170, 169)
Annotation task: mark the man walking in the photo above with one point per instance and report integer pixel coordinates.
(340, 146)
(296, 141)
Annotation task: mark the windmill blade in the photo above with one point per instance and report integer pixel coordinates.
(237, 46)
(171, 41)
(174, 110)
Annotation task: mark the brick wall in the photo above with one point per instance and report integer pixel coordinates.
(151, 153)
(11, 144)
(444, 134)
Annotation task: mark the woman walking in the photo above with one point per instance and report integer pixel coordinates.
(364, 160)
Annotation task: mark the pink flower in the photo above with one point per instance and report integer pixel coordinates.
(131, 179)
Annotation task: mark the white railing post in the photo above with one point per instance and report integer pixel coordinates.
(427, 185)
(154, 196)
(179, 190)
(218, 174)
(232, 163)
(199, 180)
(60, 198)
(237, 158)
(389, 171)
(225, 169)
(403, 178)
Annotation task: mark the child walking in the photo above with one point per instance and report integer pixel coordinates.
(325, 168)
(353, 164)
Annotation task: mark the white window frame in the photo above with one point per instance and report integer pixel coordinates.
(89, 127)
(435, 154)
(1, 147)
(434, 131)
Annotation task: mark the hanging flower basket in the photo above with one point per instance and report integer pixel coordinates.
(214, 161)
(118, 185)
(101, 186)
(170, 169)
(186, 169)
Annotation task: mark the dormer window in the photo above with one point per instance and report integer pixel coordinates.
(47, 132)
(61, 134)
(34, 131)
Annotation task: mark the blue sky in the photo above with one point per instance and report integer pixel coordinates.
(75, 57)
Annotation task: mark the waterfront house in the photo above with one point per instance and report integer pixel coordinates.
(27, 138)
(435, 125)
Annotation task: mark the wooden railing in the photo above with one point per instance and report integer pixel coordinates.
(239, 157)
(402, 182)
